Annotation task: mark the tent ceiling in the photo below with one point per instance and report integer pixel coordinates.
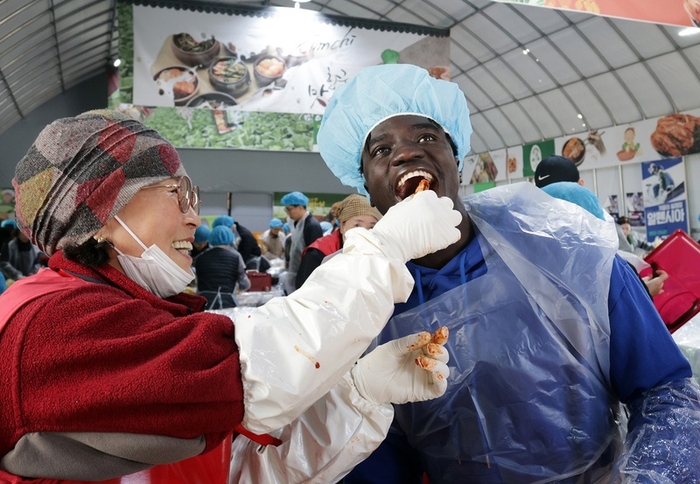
(609, 71)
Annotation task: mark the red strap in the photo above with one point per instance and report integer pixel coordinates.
(265, 439)
(24, 290)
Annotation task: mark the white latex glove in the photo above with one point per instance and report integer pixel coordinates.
(419, 225)
(408, 369)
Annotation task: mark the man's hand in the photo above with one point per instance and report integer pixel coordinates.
(655, 284)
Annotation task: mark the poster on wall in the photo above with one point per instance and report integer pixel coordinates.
(263, 76)
(534, 153)
(665, 197)
(288, 60)
(613, 207)
(484, 167)
(635, 208)
(671, 12)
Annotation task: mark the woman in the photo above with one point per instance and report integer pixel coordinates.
(219, 270)
(109, 369)
(354, 211)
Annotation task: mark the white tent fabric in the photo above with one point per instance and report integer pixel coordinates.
(608, 71)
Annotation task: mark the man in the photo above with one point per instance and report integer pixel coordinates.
(559, 169)
(306, 230)
(554, 169)
(245, 242)
(550, 331)
(274, 239)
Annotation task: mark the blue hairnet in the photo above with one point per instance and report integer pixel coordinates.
(286, 228)
(327, 227)
(221, 235)
(376, 94)
(9, 223)
(275, 223)
(202, 234)
(224, 220)
(575, 193)
(295, 198)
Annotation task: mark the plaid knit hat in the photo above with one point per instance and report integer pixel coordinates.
(82, 171)
(354, 206)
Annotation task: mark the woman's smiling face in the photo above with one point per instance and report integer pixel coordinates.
(154, 215)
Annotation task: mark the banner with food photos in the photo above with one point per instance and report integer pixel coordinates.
(671, 136)
(665, 197)
(253, 78)
(670, 12)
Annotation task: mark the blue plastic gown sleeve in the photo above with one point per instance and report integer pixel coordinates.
(663, 442)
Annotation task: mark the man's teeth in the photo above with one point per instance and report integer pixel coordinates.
(420, 173)
(182, 245)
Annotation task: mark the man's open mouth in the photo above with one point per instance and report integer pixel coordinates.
(409, 183)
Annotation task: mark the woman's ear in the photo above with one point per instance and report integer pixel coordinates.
(101, 235)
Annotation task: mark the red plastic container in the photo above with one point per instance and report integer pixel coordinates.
(679, 256)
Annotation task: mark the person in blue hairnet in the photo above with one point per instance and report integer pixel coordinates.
(244, 240)
(561, 369)
(201, 240)
(273, 238)
(306, 230)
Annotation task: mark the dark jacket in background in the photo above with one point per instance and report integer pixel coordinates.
(248, 246)
(218, 270)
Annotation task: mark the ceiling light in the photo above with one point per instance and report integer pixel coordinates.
(689, 31)
(297, 2)
(580, 116)
(526, 51)
(117, 62)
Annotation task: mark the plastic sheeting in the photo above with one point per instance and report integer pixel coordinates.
(528, 396)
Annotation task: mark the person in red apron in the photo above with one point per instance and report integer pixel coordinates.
(109, 369)
(354, 211)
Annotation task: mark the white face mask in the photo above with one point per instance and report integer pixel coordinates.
(154, 270)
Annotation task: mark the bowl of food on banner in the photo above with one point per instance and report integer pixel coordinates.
(574, 149)
(179, 83)
(212, 100)
(192, 52)
(229, 75)
(268, 68)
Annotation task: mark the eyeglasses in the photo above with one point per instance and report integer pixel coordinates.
(187, 194)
